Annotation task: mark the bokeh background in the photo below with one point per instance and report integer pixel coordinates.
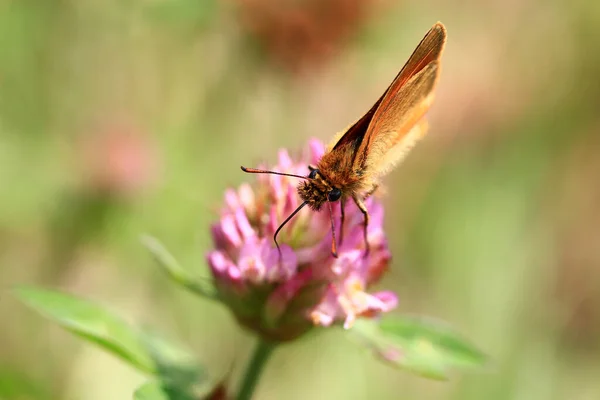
(125, 117)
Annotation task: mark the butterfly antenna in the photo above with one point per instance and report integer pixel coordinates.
(283, 224)
(264, 171)
(333, 243)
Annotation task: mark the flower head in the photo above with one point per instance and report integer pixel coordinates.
(282, 296)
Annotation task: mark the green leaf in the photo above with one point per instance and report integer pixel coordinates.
(157, 390)
(151, 391)
(174, 365)
(457, 350)
(91, 322)
(176, 370)
(180, 376)
(175, 271)
(423, 346)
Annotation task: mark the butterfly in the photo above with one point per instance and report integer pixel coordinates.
(361, 155)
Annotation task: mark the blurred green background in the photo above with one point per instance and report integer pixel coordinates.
(124, 117)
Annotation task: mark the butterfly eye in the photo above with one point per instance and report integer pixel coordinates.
(313, 173)
(334, 194)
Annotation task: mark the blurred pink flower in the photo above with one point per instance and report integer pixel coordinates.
(282, 300)
(119, 160)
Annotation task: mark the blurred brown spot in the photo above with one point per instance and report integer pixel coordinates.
(220, 393)
(578, 281)
(298, 34)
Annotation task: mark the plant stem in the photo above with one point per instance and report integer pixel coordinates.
(261, 355)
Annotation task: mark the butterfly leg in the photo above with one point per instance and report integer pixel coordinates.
(343, 206)
(370, 192)
(363, 208)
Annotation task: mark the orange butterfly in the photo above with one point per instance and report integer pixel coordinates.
(359, 156)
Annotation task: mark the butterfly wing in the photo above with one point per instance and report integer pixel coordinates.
(386, 123)
(398, 123)
(391, 135)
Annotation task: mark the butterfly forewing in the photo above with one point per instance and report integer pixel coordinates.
(402, 106)
(401, 126)
(429, 50)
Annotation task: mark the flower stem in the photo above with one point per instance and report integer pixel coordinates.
(261, 354)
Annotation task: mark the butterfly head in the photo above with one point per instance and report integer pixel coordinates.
(316, 191)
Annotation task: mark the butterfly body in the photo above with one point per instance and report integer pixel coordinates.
(329, 183)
